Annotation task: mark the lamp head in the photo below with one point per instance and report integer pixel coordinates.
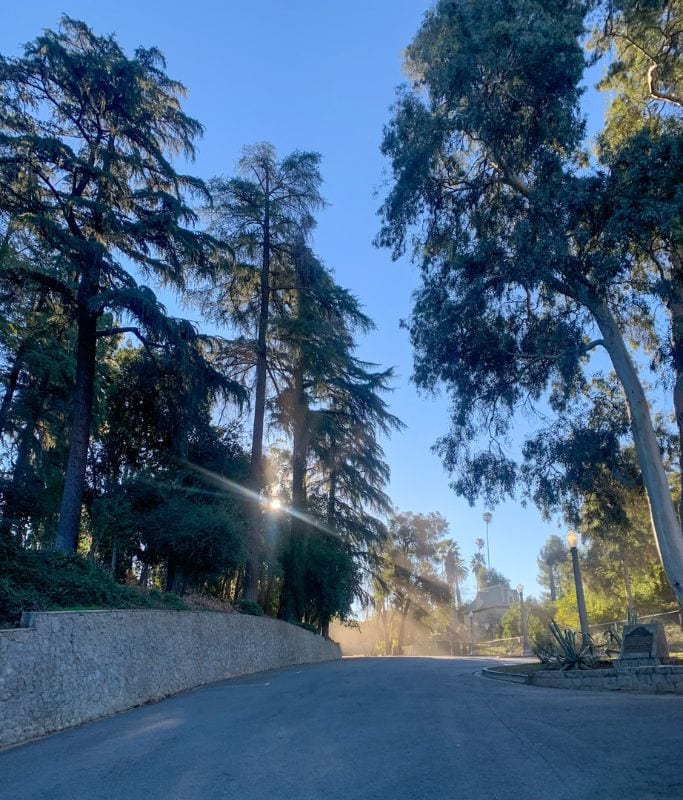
(573, 539)
(520, 588)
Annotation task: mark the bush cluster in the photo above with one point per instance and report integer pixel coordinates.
(41, 580)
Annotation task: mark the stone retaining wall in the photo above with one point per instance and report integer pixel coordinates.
(662, 679)
(70, 667)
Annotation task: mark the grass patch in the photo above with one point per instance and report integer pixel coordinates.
(42, 580)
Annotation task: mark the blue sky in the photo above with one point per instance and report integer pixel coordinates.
(312, 75)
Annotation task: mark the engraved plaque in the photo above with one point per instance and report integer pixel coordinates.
(639, 641)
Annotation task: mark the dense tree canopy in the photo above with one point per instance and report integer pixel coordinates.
(122, 427)
(534, 252)
(85, 139)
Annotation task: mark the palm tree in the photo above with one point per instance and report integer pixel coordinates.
(456, 570)
(478, 566)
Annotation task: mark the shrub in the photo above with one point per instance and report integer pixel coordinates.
(308, 627)
(249, 607)
(43, 580)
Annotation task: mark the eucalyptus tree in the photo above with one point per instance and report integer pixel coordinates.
(86, 134)
(260, 214)
(410, 555)
(533, 255)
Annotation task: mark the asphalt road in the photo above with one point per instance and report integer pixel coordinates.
(367, 729)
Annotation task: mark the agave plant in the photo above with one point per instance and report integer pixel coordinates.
(547, 655)
(612, 637)
(571, 653)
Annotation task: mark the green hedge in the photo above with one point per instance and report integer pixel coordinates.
(41, 580)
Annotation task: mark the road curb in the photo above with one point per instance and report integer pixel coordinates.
(510, 677)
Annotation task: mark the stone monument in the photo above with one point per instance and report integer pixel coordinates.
(643, 645)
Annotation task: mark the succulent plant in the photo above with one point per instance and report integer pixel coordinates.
(570, 653)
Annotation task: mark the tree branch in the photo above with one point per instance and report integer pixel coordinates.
(667, 98)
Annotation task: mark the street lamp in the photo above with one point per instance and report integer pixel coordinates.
(573, 542)
(526, 650)
(471, 616)
(487, 517)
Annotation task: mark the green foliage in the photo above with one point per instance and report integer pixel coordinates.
(39, 580)
(620, 565)
(406, 582)
(151, 483)
(571, 653)
(552, 554)
(249, 607)
(308, 626)
(538, 617)
(532, 252)
(85, 136)
(332, 578)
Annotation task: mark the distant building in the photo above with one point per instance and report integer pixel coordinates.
(490, 605)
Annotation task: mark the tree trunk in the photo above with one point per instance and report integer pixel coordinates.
(170, 575)
(676, 311)
(551, 584)
(627, 585)
(256, 466)
(325, 627)
(665, 523)
(402, 628)
(332, 499)
(299, 439)
(10, 386)
(239, 582)
(144, 575)
(293, 600)
(83, 399)
(458, 595)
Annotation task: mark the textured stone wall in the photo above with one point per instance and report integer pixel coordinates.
(70, 667)
(651, 679)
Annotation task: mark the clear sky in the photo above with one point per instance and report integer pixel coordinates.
(315, 75)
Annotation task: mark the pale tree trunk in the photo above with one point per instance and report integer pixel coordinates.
(551, 583)
(458, 595)
(402, 628)
(627, 585)
(665, 522)
(676, 311)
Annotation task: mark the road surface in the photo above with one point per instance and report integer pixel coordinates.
(395, 729)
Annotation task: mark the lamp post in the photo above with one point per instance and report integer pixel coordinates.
(487, 517)
(573, 542)
(471, 617)
(526, 650)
